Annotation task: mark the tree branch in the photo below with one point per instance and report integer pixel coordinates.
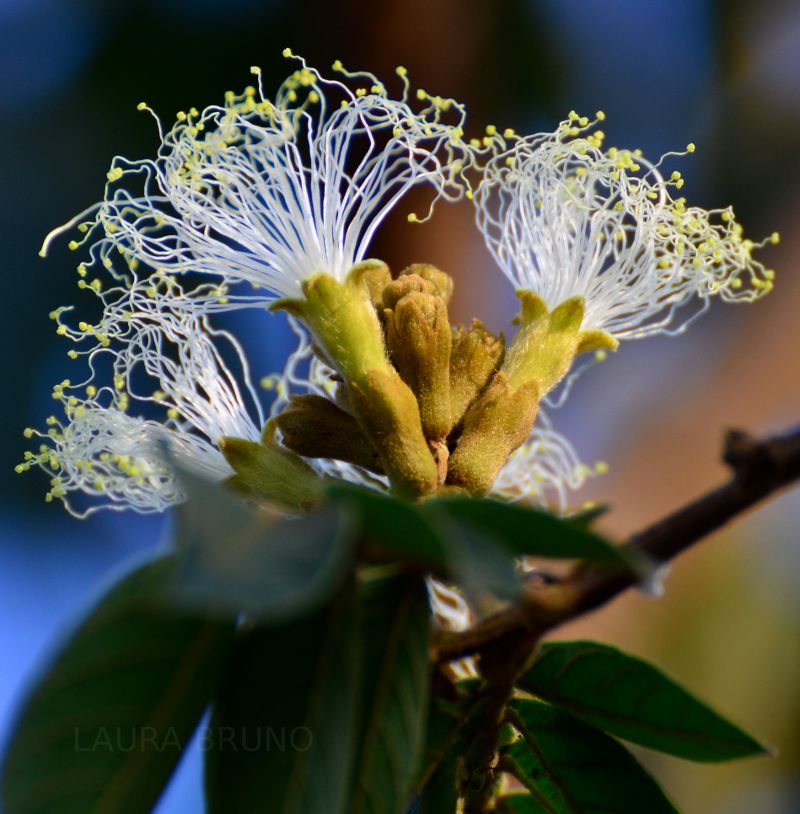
(760, 469)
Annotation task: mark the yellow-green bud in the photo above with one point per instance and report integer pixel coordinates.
(387, 411)
(443, 283)
(315, 427)
(476, 354)
(497, 423)
(269, 471)
(418, 336)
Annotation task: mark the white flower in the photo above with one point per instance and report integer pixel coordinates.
(163, 364)
(564, 218)
(269, 192)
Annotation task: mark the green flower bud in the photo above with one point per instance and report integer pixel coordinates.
(476, 354)
(315, 427)
(269, 471)
(419, 338)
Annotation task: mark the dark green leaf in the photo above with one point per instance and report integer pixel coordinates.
(440, 795)
(632, 699)
(394, 693)
(396, 529)
(392, 527)
(570, 768)
(104, 728)
(444, 722)
(283, 733)
(238, 559)
(523, 531)
(475, 560)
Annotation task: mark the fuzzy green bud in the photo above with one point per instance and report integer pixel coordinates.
(344, 322)
(269, 471)
(388, 413)
(498, 423)
(476, 354)
(347, 330)
(442, 282)
(419, 338)
(315, 427)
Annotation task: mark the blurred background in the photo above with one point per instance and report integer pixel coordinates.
(725, 75)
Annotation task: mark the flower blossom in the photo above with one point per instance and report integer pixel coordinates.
(564, 218)
(267, 192)
(159, 363)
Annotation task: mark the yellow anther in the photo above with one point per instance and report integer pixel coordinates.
(287, 52)
(600, 355)
(337, 65)
(412, 218)
(72, 245)
(61, 330)
(600, 468)
(775, 238)
(491, 130)
(600, 116)
(141, 106)
(255, 70)
(28, 432)
(690, 147)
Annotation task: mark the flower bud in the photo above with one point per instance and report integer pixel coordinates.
(476, 354)
(316, 427)
(419, 339)
(497, 424)
(269, 471)
(389, 415)
(443, 283)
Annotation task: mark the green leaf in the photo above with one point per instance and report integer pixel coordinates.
(633, 700)
(283, 732)
(394, 693)
(440, 795)
(442, 760)
(105, 726)
(523, 531)
(392, 527)
(235, 559)
(395, 529)
(438, 778)
(570, 768)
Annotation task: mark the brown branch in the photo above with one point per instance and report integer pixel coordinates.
(760, 469)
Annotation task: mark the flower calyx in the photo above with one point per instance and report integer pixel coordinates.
(548, 342)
